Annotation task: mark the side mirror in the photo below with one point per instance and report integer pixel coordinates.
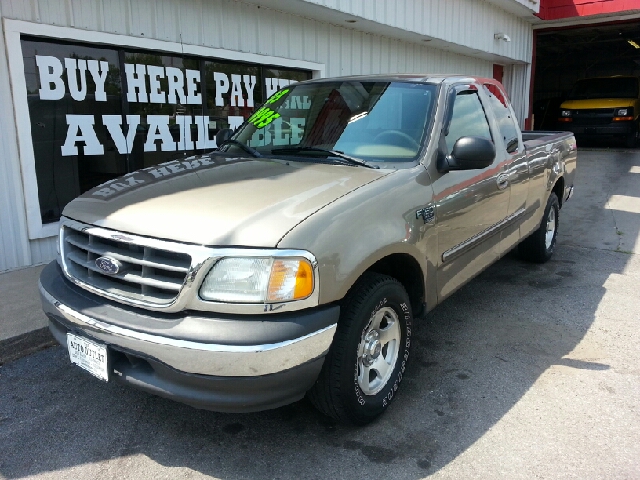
(470, 153)
(223, 135)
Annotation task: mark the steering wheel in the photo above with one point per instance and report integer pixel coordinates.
(405, 139)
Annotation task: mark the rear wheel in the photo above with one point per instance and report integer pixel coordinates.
(539, 246)
(369, 353)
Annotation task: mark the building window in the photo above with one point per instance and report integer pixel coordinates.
(67, 85)
(233, 93)
(100, 112)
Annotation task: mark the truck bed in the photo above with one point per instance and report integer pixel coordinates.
(533, 139)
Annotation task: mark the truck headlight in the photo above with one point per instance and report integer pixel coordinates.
(565, 113)
(258, 280)
(622, 112)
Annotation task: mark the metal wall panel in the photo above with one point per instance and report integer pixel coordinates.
(244, 27)
(249, 28)
(470, 23)
(43, 250)
(14, 245)
(516, 82)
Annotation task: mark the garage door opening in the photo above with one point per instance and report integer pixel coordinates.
(565, 55)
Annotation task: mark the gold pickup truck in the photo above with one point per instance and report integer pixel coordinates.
(603, 107)
(296, 259)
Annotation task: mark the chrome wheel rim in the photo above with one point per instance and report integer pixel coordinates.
(378, 351)
(551, 228)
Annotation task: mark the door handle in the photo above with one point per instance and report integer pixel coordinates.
(502, 181)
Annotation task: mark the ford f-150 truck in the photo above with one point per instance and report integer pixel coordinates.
(603, 107)
(296, 259)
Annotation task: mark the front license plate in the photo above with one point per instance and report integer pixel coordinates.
(89, 355)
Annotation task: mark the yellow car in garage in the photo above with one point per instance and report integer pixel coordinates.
(603, 107)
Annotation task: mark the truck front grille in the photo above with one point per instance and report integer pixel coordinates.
(148, 275)
(593, 116)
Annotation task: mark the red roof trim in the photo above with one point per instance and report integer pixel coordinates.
(559, 9)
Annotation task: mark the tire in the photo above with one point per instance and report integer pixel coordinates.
(367, 359)
(539, 246)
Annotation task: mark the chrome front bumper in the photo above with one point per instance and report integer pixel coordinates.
(96, 319)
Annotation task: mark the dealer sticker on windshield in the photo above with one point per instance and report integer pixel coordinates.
(89, 355)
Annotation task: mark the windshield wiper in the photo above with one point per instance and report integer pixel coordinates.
(243, 146)
(334, 153)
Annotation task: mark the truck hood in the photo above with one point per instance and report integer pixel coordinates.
(598, 103)
(218, 199)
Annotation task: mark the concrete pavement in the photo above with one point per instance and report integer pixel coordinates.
(23, 326)
(20, 310)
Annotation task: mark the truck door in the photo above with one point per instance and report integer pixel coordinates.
(515, 168)
(470, 204)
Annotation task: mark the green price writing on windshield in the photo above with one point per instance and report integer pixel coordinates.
(277, 96)
(263, 117)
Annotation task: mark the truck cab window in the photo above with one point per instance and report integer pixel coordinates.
(504, 116)
(468, 119)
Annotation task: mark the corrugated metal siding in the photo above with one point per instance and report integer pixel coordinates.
(239, 26)
(516, 82)
(531, 5)
(14, 246)
(43, 250)
(470, 23)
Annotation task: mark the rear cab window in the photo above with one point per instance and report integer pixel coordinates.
(504, 116)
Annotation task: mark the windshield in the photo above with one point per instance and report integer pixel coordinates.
(620, 87)
(371, 121)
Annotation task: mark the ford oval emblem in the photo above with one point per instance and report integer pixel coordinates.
(108, 265)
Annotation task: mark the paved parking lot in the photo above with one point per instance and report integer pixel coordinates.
(530, 371)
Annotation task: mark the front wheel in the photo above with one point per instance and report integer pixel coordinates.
(369, 353)
(539, 246)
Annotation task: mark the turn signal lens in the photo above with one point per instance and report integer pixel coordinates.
(304, 281)
(290, 280)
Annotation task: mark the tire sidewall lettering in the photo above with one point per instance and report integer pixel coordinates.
(387, 394)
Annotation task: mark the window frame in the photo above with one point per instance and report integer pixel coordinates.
(14, 29)
(458, 89)
(509, 108)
